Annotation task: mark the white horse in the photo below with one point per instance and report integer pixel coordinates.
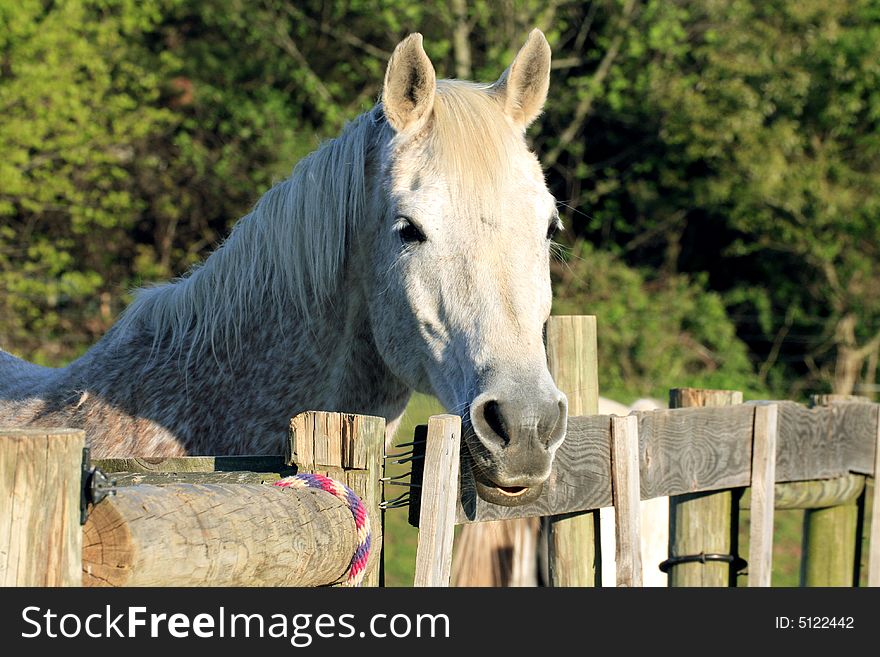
(410, 253)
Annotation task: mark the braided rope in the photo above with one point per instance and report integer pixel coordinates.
(358, 567)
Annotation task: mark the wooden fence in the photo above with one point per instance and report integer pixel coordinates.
(213, 521)
(704, 456)
(188, 521)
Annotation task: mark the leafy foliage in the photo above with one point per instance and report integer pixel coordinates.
(652, 330)
(720, 157)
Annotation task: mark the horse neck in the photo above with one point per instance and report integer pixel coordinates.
(264, 334)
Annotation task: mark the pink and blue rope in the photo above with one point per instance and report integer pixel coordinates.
(358, 567)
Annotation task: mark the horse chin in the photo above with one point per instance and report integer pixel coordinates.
(508, 496)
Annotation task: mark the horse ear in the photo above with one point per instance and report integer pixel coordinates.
(523, 86)
(410, 82)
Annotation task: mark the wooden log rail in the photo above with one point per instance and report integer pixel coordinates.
(212, 521)
(189, 521)
(695, 449)
(217, 535)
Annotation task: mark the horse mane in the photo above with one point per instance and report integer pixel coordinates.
(288, 253)
(472, 142)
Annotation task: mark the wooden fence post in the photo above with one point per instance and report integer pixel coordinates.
(439, 496)
(40, 483)
(828, 553)
(572, 539)
(627, 499)
(350, 449)
(702, 523)
(874, 541)
(763, 495)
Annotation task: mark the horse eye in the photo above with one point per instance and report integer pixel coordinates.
(553, 230)
(408, 232)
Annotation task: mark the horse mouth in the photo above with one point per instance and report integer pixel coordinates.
(507, 495)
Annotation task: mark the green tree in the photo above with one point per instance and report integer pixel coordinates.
(732, 142)
(76, 95)
(741, 139)
(654, 333)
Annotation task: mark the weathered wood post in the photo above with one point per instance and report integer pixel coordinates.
(828, 554)
(763, 490)
(627, 499)
(874, 540)
(348, 448)
(572, 538)
(40, 483)
(702, 523)
(439, 496)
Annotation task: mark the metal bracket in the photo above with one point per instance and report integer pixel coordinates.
(736, 562)
(96, 485)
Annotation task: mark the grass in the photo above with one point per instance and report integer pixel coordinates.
(400, 537)
(787, 530)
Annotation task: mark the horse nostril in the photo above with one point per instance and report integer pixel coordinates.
(492, 415)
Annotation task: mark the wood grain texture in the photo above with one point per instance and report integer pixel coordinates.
(763, 481)
(857, 421)
(342, 446)
(160, 478)
(625, 487)
(829, 546)
(874, 540)
(217, 535)
(828, 552)
(185, 464)
(704, 523)
(573, 547)
(40, 535)
(695, 449)
(812, 494)
(439, 493)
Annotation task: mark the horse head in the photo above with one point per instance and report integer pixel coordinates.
(460, 260)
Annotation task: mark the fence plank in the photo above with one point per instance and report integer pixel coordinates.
(696, 449)
(573, 556)
(439, 493)
(40, 535)
(855, 421)
(193, 464)
(763, 480)
(625, 484)
(874, 543)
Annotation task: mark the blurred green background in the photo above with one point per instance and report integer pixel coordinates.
(716, 164)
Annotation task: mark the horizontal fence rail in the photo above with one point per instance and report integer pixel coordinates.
(690, 450)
